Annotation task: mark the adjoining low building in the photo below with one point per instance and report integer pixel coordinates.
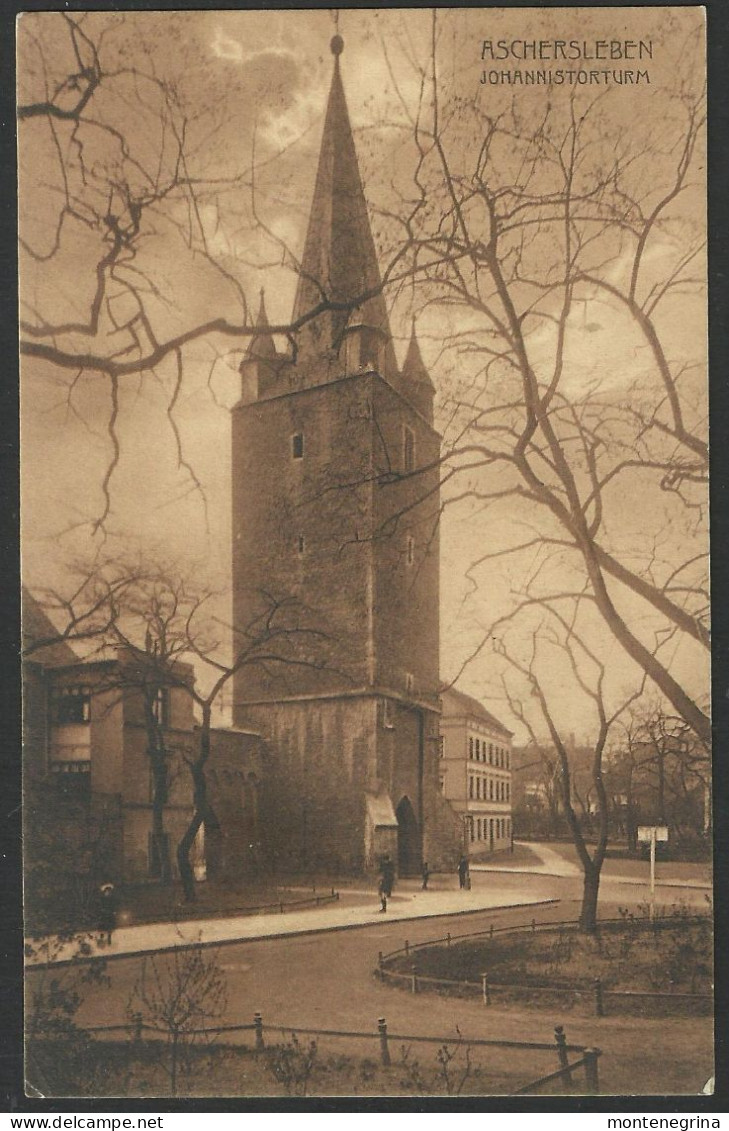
(475, 772)
(89, 776)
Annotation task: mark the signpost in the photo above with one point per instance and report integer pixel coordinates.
(649, 834)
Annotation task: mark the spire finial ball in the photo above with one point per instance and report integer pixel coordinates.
(337, 45)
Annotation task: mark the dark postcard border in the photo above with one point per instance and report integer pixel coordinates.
(12, 1097)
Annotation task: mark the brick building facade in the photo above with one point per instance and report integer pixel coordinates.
(476, 772)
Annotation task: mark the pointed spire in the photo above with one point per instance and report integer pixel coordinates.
(262, 344)
(418, 387)
(339, 262)
(414, 368)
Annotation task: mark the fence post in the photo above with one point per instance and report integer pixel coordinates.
(380, 962)
(592, 1082)
(414, 978)
(448, 939)
(486, 989)
(138, 1024)
(281, 906)
(407, 948)
(599, 1006)
(534, 924)
(258, 1026)
(384, 1050)
(491, 931)
(560, 1038)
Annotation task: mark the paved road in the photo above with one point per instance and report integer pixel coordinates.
(325, 980)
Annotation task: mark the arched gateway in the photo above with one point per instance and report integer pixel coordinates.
(409, 853)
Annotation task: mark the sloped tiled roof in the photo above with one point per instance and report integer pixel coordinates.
(36, 626)
(458, 703)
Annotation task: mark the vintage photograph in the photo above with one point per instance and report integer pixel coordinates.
(364, 428)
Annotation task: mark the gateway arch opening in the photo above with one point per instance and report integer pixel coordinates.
(409, 853)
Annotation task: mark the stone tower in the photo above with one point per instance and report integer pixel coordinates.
(335, 508)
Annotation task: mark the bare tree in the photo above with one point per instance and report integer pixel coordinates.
(167, 636)
(536, 248)
(588, 671)
(664, 771)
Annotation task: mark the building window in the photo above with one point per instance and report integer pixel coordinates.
(491, 789)
(297, 445)
(470, 748)
(441, 746)
(471, 830)
(411, 550)
(507, 760)
(408, 449)
(479, 829)
(72, 778)
(478, 750)
(71, 705)
(508, 792)
(470, 787)
(161, 706)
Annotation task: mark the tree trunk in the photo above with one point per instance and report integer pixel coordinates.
(200, 802)
(157, 754)
(590, 889)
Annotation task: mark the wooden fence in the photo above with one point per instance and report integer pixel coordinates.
(487, 988)
(567, 1071)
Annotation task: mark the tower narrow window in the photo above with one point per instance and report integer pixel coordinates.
(297, 445)
(408, 449)
(161, 706)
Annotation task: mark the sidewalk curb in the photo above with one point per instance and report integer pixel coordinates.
(184, 945)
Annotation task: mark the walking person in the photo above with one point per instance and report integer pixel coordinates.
(462, 873)
(426, 875)
(387, 879)
(107, 912)
(388, 875)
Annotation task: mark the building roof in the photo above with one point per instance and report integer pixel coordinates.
(414, 368)
(262, 345)
(339, 263)
(458, 703)
(42, 642)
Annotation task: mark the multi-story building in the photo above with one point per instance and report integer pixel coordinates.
(88, 772)
(475, 771)
(335, 506)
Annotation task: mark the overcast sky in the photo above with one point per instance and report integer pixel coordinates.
(255, 87)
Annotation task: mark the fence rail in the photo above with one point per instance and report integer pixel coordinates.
(137, 1029)
(487, 986)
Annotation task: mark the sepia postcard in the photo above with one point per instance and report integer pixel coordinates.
(365, 553)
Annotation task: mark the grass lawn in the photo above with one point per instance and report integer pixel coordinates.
(153, 903)
(669, 956)
(639, 869)
(522, 857)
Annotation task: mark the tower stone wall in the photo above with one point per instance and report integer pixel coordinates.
(335, 525)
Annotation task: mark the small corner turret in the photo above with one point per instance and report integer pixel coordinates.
(260, 366)
(417, 384)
